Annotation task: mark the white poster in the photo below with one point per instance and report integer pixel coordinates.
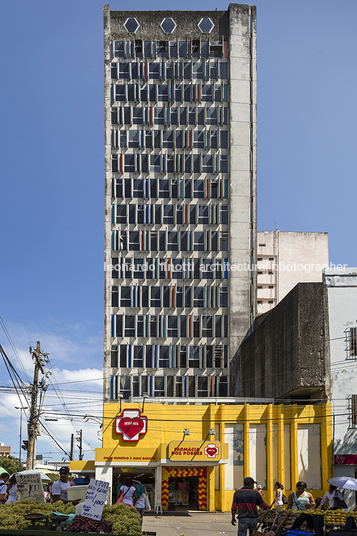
(95, 499)
(29, 484)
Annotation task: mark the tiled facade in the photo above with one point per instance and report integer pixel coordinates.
(168, 183)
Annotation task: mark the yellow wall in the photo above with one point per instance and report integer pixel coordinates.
(167, 422)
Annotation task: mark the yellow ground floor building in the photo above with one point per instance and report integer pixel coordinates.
(194, 456)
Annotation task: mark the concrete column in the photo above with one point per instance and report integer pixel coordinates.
(158, 485)
(246, 460)
(269, 414)
(281, 445)
(294, 446)
(211, 489)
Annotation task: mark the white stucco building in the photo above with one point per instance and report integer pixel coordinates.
(180, 199)
(342, 308)
(285, 259)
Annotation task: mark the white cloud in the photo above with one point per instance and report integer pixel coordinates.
(75, 388)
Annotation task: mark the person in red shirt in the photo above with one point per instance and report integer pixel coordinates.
(246, 500)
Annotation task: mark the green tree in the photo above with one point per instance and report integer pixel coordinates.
(10, 464)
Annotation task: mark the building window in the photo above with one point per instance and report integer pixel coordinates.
(164, 355)
(202, 386)
(159, 386)
(129, 326)
(159, 116)
(178, 381)
(203, 214)
(155, 298)
(125, 386)
(134, 244)
(198, 297)
(223, 386)
(125, 296)
(138, 356)
(198, 188)
(169, 214)
(172, 241)
(199, 240)
(207, 326)
(353, 342)
(172, 326)
(154, 71)
(354, 410)
(223, 297)
(194, 357)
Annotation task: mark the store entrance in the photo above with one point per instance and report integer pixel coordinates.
(183, 493)
(145, 476)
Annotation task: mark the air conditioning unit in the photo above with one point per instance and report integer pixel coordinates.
(114, 348)
(183, 348)
(140, 318)
(153, 318)
(114, 289)
(218, 351)
(196, 318)
(173, 181)
(214, 179)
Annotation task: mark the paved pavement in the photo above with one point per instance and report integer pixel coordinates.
(195, 524)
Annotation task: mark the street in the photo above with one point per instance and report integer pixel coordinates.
(195, 524)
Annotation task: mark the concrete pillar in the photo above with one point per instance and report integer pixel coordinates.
(158, 485)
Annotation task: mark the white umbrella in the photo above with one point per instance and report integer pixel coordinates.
(344, 482)
(33, 472)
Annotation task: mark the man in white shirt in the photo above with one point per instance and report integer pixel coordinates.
(59, 488)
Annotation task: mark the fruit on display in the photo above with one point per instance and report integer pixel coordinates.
(333, 517)
(124, 520)
(84, 524)
(12, 514)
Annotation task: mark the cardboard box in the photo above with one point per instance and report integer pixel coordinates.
(77, 492)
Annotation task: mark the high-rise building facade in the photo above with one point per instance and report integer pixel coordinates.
(180, 199)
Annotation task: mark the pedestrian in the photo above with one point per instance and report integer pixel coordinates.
(330, 497)
(301, 500)
(129, 492)
(259, 490)
(278, 496)
(246, 500)
(139, 503)
(4, 477)
(11, 490)
(59, 488)
(118, 486)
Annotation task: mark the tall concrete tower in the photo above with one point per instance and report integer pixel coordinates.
(180, 199)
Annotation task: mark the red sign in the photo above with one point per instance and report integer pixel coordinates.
(211, 450)
(345, 459)
(131, 424)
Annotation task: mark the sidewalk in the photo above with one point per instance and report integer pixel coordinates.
(196, 524)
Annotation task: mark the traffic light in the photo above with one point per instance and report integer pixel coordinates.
(25, 445)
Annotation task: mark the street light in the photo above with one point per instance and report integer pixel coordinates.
(20, 408)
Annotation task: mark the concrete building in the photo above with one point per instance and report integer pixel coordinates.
(286, 357)
(342, 309)
(4, 450)
(180, 199)
(285, 259)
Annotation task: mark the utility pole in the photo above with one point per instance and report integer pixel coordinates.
(40, 359)
(79, 443)
(72, 445)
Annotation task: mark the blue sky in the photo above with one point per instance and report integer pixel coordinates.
(52, 167)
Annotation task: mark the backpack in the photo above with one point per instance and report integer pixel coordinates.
(285, 500)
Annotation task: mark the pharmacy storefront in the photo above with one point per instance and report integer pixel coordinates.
(194, 456)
